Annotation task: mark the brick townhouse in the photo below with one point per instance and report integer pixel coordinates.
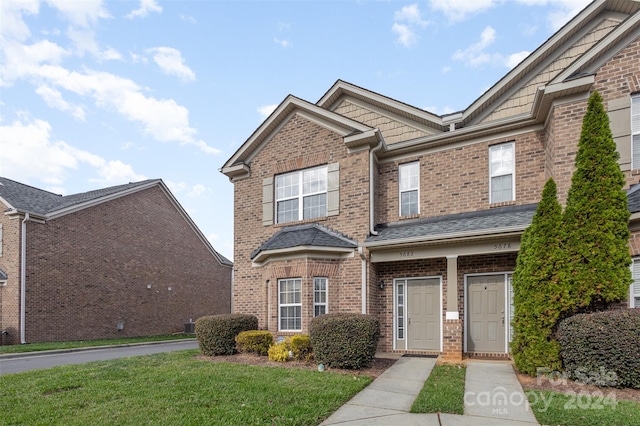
(115, 262)
(361, 203)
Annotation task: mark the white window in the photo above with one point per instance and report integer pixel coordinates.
(502, 173)
(319, 296)
(634, 290)
(400, 310)
(306, 188)
(290, 304)
(409, 188)
(635, 130)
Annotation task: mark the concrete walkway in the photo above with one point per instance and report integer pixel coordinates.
(493, 397)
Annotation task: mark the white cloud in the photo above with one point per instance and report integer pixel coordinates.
(54, 158)
(188, 19)
(213, 238)
(266, 110)
(135, 58)
(474, 55)
(197, 190)
(146, 6)
(410, 14)
(459, 10)
(81, 13)
(407, 21)
(84, 41)
(283, 43)
(446, 69)
(54, 99)
(171, 62)
(175, 187)
(12, 24)
(516, 58)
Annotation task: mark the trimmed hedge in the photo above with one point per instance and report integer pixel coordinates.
(279, 352)
(301, 347)
(254, 341)
(597, 345)
(216, 334)
(344, 340)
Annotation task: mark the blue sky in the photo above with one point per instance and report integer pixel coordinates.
(94, 94)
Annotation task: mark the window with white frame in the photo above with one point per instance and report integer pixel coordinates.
(635, 130)
(634, 290)
(319, 296)
(502, 172)
(290, 304)
(301, 195)
(409, 188)
(400, 310)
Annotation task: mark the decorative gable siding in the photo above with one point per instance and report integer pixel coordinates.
(521, 101)
(393, 130)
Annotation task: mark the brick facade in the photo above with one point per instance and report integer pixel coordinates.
(454, 179)
(132, 260)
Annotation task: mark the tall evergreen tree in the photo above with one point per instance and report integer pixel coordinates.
(539, 294)
(596, 218)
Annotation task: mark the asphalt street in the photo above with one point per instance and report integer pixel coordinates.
(16, 363)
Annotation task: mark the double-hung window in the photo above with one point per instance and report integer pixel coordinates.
(290, 304)
(502, 173)
(409, 188)
(635, 130)
(301, 195)
(634, 292)
(319, 296)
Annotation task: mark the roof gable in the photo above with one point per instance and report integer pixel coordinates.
(353, 132)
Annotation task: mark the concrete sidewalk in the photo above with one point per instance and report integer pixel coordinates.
(493, 396)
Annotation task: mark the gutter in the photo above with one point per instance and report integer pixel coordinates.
(23, 278)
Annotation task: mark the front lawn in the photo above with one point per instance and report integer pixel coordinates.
(47, 346)
(443, 392)
(173, 388)
(583, 408)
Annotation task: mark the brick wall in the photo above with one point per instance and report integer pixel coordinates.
(89, 270)
(10, 294)
(298, 144)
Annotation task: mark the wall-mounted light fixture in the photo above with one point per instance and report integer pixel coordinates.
(381, 284)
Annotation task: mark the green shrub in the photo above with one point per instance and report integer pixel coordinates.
(596, 345)
(216, 334)
(301, 347)
(254, 341)
(279, 352)
(344, 340)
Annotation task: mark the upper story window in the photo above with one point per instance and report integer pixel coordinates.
(502, 173)
(409, 188)
(301, 195)
(635, 130)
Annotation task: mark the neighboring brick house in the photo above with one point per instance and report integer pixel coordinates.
(115, 262)
(361, 203)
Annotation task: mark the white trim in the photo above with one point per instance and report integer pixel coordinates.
(632, 293)
(405, 305)
(493, 148)
(507, 307)
(634, 131)
(408, 167)
(280, 280)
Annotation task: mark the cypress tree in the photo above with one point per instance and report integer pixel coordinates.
(596, 218)
(539, 296)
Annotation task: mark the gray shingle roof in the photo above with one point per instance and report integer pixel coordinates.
(633, 198)
(479, 221)
(3, 275)
(311, 234)
(29, 199)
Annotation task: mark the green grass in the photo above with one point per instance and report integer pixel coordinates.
(443, 391)
(170, 389)
(33, 347)
(585, 409)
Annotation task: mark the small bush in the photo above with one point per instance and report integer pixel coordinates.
(301, 347)
(279, 352)
(344, 340)
(216, 334)
(254, 341)
(602, 348)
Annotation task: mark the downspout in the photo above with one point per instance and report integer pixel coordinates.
(23, 279)
(372, 205)
(364, 279)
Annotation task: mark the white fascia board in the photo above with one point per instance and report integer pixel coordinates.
(333, 252)
(450, 237)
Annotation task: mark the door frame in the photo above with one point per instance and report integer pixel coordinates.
(508, 292)
(404, 323)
